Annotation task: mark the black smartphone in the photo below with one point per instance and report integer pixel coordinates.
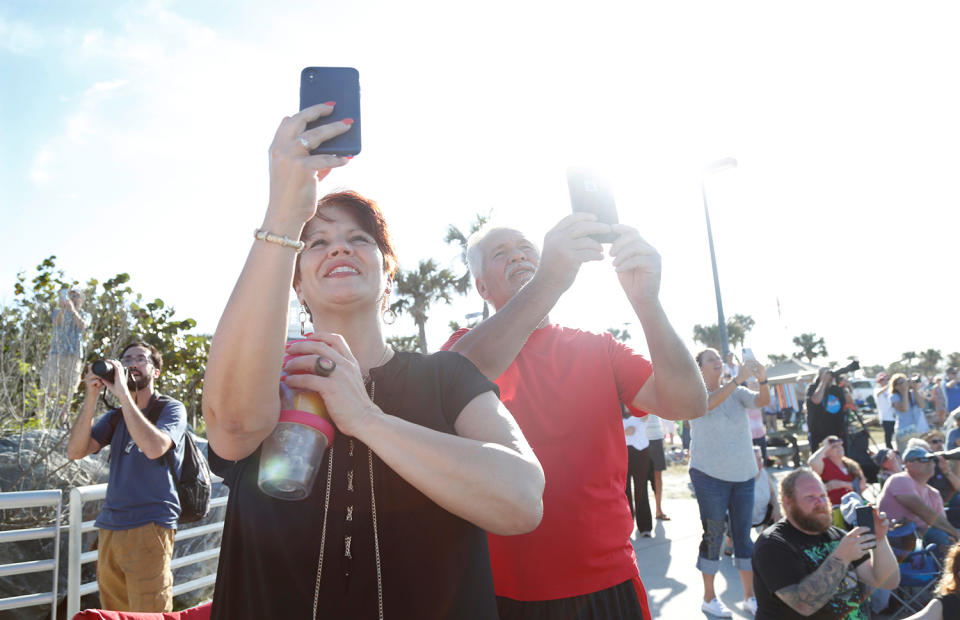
(342, 86)
(591, 193)
(865, 519)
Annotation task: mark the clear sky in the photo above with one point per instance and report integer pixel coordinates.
(133, 137)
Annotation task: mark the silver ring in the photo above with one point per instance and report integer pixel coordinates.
(324, 366)
(304, 142)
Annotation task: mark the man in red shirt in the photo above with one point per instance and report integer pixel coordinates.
(564, 387)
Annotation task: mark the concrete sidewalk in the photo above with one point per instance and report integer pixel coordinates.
(668, 566)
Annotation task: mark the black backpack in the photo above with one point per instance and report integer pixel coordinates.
(195, 485)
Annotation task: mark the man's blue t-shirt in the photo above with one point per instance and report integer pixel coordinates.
(141, 490)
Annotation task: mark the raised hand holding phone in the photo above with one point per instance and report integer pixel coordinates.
(341, 87)
(591, 193)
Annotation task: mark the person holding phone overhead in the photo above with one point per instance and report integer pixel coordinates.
(425, 458)
(722, 470)
(565, 386)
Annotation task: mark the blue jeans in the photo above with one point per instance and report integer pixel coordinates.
(716, 498)
(938, 536)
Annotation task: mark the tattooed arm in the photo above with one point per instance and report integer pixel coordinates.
(816, 589)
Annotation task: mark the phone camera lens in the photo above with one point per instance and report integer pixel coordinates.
(311, 75)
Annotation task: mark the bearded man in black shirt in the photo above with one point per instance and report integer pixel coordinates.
(803, 567)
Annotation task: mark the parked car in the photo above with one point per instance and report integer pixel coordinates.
(863, 391)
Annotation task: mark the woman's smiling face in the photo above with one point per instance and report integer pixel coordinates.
(711, 365)
(342, 263)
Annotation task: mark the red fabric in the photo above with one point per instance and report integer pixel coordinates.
(565, 389)
(201, 612)
(642, 597)
(832, 472)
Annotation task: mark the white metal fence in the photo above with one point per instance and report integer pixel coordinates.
(32, 499)
(77, 558)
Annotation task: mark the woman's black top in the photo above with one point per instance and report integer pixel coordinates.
(951, 605)
(433, 563)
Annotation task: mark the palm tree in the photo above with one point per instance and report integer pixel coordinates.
(929, 360)
(908, 357)
(707, 335)
(954, 359)
(417, 290)
(738, 327)
(403, 343)
(455, 236)
(776, 358)
(620, 334)
(810, 346)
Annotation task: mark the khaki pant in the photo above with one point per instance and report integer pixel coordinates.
(133, 570)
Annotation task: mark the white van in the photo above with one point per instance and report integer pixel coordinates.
(863, 391)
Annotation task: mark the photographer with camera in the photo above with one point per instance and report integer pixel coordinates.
(907, 496)
(827, 406)
(908, 407)
(139, 517)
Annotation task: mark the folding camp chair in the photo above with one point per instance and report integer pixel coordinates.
(919, 573)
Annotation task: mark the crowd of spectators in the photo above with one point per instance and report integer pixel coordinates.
(810, 557)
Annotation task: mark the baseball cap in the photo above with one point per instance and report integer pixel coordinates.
(883, 377)
(916, 453)
(881, 456)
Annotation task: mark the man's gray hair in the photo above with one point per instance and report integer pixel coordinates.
(475, 252)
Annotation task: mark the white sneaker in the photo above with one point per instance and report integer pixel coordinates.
(716, 608)
(751, 605)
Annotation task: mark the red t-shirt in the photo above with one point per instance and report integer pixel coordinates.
(565, 389)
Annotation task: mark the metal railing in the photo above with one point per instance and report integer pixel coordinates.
(76, 557)
(32, 499)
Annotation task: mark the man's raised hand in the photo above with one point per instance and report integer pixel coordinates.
(567, 246)
(637, 264)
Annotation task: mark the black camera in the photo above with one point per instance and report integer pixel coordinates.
(107, 372)
(950, 455)
(854, 365)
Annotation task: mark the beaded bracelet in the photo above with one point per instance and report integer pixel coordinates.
(285, 241)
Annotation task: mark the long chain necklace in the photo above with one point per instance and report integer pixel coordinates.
(373, 512)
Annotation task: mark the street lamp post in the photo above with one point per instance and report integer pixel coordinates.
(717, 166)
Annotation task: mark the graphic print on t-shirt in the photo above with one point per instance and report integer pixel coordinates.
(849, 595)
(833, 404)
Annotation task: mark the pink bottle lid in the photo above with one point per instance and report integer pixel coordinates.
(309, 419)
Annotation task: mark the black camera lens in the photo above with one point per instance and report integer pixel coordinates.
(103, 370)
(107, 372)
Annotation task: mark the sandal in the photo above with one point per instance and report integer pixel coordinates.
(662, 517)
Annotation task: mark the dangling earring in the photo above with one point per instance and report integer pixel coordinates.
(302, 315)
(388, 314)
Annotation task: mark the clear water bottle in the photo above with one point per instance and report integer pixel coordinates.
(290, 457)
